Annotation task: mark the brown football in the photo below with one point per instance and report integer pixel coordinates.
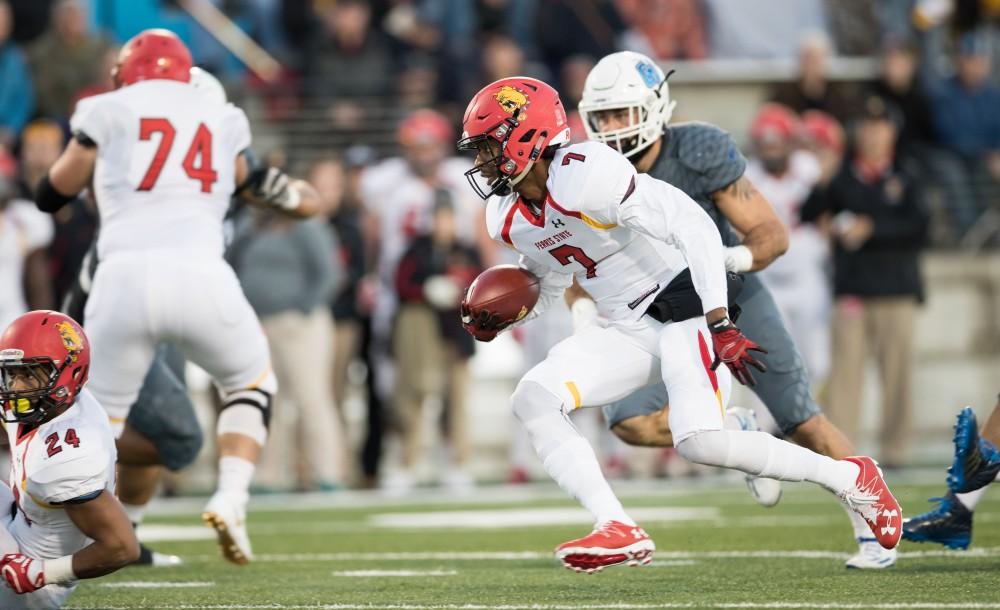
(506, 290)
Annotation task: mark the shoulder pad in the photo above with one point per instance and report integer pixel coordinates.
(61, 469)
(704, 147)
(588, 175)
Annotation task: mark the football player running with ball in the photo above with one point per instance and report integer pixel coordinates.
(583, 211)
(626, 104)
(59, 518)
(165, 158)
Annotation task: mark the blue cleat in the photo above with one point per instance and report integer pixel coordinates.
(949, 524)
(977, 461)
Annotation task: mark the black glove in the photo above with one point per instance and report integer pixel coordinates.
(484, 325)
(273, 187)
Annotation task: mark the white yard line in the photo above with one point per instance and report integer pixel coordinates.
(393, 573)
(505, 518)
(975, 553)
(154, 584)
(662, 606)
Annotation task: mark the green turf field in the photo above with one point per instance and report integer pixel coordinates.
(716, 549)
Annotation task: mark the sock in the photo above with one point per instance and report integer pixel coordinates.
(564, 453)
(969, 500)
(235, 474)
(763, 455)
(858, 524)
(135, 512)
(573, 465)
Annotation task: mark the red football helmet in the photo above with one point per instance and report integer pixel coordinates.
(774, 121)
(822, 129)
(51, 348)
(152, 54)
(424, 126)
(522, 115)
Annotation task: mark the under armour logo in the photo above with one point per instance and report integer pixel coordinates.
(637, 533)
(889, 529)
(557, 222)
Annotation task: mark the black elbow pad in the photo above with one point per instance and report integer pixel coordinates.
(84, 140)
(48, 199)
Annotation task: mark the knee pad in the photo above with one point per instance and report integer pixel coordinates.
(532, 400)
(165, 415)
(246, 412)
(543, 415)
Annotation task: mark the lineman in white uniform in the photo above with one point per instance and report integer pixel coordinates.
(165, 160)
(630, 240)
(60, 518)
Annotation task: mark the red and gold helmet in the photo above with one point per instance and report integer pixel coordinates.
(51, 348)
(153, 54)
(524, 116)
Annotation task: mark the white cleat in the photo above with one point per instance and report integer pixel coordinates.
(871, 556)
(765, 492)
(228, 518)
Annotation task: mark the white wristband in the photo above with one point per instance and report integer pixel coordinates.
(59, 571)
(584, 313)
(738, 259)
(292, 199)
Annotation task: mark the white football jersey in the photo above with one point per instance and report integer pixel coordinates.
(67, 458)
(166, 165)
(623, 235)
(808, 249)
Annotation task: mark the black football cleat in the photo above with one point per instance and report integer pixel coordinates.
(977, 461)
(949, 524)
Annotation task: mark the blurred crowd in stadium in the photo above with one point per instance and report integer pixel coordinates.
(367, 106)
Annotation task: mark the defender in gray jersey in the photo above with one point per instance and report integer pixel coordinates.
(626, 105)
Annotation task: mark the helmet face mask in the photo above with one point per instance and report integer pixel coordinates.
(491, 162)
(32, 401)
(627, 82)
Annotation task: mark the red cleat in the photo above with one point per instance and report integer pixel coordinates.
(870, 497)
(610, 544)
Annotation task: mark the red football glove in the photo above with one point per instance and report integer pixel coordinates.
(485, 325)
(733, 348)
(22, 573)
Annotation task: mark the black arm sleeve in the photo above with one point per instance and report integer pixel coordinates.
(84, 140)
(815, 205)
(48, 199)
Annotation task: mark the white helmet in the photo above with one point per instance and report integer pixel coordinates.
(627, 80)
(203, 81)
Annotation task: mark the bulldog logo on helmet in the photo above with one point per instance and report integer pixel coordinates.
(511, 100)
(70, 338)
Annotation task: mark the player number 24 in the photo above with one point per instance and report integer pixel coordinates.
(70, 438)
(199, 152)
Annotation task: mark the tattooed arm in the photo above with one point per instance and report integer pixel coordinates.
(764, 236)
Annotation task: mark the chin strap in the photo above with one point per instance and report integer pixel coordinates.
(536, 151)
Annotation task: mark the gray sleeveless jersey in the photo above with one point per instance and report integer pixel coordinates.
(700, 159)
